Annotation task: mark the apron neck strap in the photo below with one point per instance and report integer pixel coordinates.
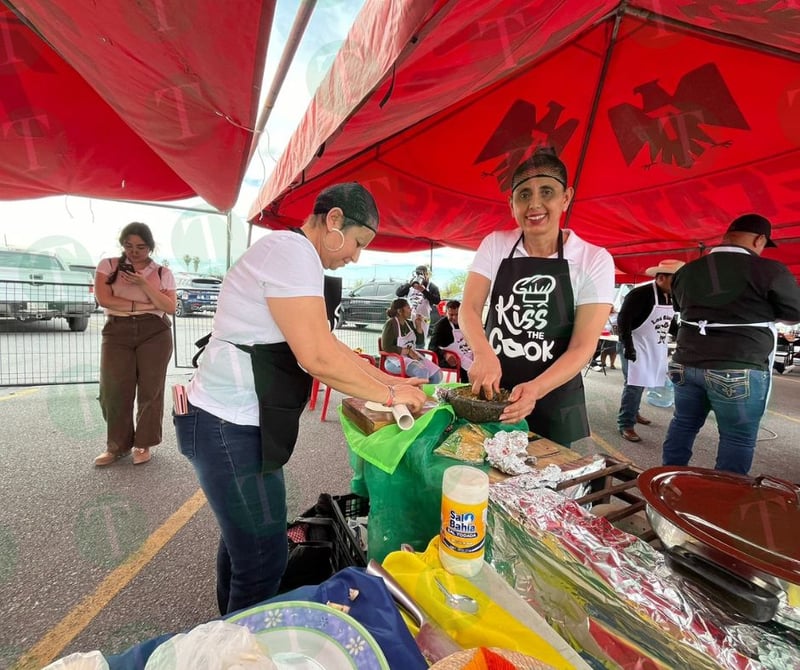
(559, 242)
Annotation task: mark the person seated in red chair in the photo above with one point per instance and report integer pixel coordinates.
(399, 337)
(448, 339)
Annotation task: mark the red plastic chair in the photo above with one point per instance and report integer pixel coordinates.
(387, 355)
(312, 403)
(456, 371)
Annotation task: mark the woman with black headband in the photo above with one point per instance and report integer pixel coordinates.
(270, 336)
(550, 294)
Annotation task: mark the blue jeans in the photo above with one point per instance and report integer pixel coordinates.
(631, 399)
(738, 399)
(250, 506)
(424, 369)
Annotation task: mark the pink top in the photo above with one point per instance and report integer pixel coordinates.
(121, 289)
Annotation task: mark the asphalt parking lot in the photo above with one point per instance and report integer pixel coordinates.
(102, 558)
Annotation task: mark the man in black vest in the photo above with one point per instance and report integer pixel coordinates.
(729, 301)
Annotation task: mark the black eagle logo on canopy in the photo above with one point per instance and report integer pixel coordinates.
(519, 133)
(676, 127)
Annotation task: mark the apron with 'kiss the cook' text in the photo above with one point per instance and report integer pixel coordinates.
(529, 325)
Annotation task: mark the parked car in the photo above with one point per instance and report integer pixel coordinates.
(368, 304)
(196, 293)
(38, 286)
(90, 270)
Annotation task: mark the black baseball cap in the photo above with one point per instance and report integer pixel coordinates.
(355, 201)
(753, 223)
(422, 269)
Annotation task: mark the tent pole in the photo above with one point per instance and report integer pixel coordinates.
(229, 227)
(301, 20)
(183, 208)
(738, 40)
(595, 104)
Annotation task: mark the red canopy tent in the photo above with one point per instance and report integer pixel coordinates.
(129, 100)
(673, 116)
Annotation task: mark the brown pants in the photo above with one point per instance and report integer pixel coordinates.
(133, 364)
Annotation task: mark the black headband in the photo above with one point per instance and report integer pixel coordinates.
(533, 176)
(323, 209)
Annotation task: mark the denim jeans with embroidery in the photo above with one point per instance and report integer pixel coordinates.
(738, 399)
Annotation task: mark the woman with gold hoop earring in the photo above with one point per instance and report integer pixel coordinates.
(270, 337)
(341, 244)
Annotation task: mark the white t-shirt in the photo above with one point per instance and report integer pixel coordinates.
(281, 265)
(591, 268)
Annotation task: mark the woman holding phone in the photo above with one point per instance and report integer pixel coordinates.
(136, 294)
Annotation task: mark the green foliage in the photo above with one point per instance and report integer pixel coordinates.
(454, 286)
(187, 261)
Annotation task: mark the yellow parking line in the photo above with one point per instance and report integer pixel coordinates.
(17, 394)
(784, 416)
(49, 647)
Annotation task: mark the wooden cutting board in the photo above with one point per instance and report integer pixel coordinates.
(368, 420)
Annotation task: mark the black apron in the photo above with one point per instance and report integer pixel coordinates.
(282, 386)
(283, 389)
(529, 325)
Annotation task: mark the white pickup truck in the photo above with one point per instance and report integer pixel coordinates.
(37, 286)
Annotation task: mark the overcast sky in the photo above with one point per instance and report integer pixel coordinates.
(84, 230)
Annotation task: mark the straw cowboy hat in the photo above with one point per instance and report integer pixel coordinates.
(666, 267)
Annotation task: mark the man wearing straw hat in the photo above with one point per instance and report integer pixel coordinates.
(729, 301)
(643, 323)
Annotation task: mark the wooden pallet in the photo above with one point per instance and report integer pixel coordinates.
(615, 483)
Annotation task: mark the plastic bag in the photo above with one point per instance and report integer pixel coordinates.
(217, 645)
(465, 443)
(92, 660)
(662, 396)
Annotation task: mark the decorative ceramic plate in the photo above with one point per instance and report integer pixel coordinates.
(309, 636)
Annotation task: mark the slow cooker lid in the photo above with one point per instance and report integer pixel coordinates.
(753, 520)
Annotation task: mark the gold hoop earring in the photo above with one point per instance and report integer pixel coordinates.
(340, 247)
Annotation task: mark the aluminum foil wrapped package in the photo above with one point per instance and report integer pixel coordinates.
(612, 596)
(508, 452)
(552, 475)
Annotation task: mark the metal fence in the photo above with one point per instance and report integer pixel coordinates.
(38, 352)
(49, 333)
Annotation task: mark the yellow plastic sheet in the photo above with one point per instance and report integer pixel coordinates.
(492, 626)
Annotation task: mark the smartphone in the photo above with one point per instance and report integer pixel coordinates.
(180, 401)
(125, 266)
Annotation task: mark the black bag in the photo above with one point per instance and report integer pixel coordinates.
(311, 560)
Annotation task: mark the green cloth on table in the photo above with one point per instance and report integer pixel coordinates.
(385, 447)
(406, 499)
